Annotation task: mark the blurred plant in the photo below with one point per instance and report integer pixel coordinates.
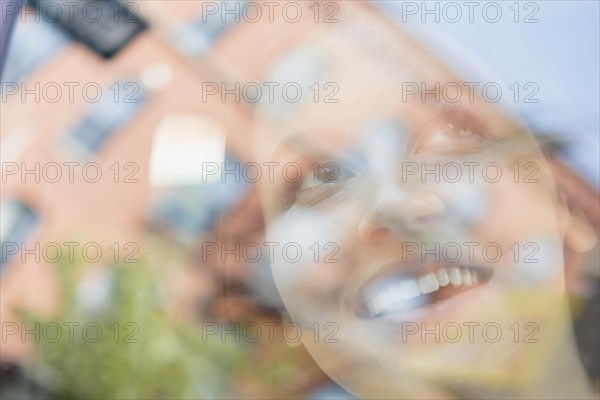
(140, 352)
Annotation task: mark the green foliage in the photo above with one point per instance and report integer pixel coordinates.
(141, 352)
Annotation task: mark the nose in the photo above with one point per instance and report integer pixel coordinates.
(397, 212)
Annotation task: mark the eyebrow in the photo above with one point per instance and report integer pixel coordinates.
(303, 144)
(352, 157)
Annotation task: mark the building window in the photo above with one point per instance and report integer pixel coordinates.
(17, 224)
(118, 104)
(31, 45)
(196, 38)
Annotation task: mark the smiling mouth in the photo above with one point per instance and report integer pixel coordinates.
(397, 292)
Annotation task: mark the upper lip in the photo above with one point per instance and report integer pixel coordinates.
(399, 287)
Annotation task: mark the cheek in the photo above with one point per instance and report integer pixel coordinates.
(539, 259)
(468, 203)
(496, 204)
(523, 219)
(302, 240)
(519, 211)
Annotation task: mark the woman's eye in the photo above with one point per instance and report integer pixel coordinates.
(328, 173)
(450, 136)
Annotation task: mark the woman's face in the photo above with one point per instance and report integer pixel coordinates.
(430, 232)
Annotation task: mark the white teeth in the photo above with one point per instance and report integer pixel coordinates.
(466, 277)
(475, 277)
(394, 297)
(442, 276)
(428, 283)
(406, 293)
(455, 276)
(408, 289)
(380, 303)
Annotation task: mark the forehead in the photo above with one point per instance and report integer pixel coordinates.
(355, 74)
